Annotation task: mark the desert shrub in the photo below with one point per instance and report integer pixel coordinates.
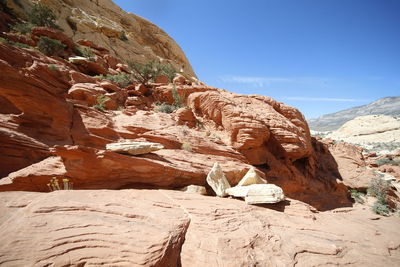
(178, 99)
(85, 51)
(50, 46)
(6, 41)
(43, 16)
(54, 184)
(23, 28)
(52, 67)
(388, 161)
(186, 146)
(381, 208)
(122, 79)
(379, 189)
(165, 107)
(101, 101)
(357, 196)
(123, 36)
(169, 71)
(146, 72)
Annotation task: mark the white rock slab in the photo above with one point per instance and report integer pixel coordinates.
(264, 194)
(217, 180)
(251, 177)
(134, 148)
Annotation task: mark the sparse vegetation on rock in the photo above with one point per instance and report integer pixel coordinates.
(50, 46)
(42, 15)
(122, 79)
(379, 188)
(101, 101)
(146, 72)
(85, 51)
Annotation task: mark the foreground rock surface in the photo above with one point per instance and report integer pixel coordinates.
(172, 228)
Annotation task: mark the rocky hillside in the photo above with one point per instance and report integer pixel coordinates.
(330, 122)
(126, 35)
(74, 116)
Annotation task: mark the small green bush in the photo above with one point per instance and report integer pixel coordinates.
(357, 196)
(178, 101)
(52, 67)
(50, 46)
(379, 189)
(23, 28)
(85, 51)
(168, 71)
(6, 41)
(145, 73)
(43, 16)
(101, 101)
(166, 108)
(122, 79)
(123, 36)
(381, 208)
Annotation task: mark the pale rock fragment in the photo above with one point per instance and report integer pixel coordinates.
(264, 194)
(134, 148)
(217, 180)
(195, 189)
(251, 177)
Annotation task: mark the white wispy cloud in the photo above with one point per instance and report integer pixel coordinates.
(323, 99)
(258, 81)
(253, 80)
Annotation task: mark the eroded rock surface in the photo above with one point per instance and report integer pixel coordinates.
(172, 228)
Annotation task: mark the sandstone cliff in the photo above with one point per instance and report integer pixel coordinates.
(125, 35)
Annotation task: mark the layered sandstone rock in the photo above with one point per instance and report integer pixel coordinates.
(126, 35)
(172, 228)
(50, 112)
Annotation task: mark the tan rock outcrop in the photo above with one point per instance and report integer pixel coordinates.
(370, 128)
(126, 35)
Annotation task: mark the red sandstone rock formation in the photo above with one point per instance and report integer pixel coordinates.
(52, 108)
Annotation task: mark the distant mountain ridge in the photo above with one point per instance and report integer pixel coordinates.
(330, 122)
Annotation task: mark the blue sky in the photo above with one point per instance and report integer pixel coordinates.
(320, 56)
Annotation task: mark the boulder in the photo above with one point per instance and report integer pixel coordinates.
(251, 177)
(264, 194)
(217, 180)
(87, 66)
(134, 148)
(179, 80)
(161, 79)
(257, 193)
(195, 189)
(185, 116)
